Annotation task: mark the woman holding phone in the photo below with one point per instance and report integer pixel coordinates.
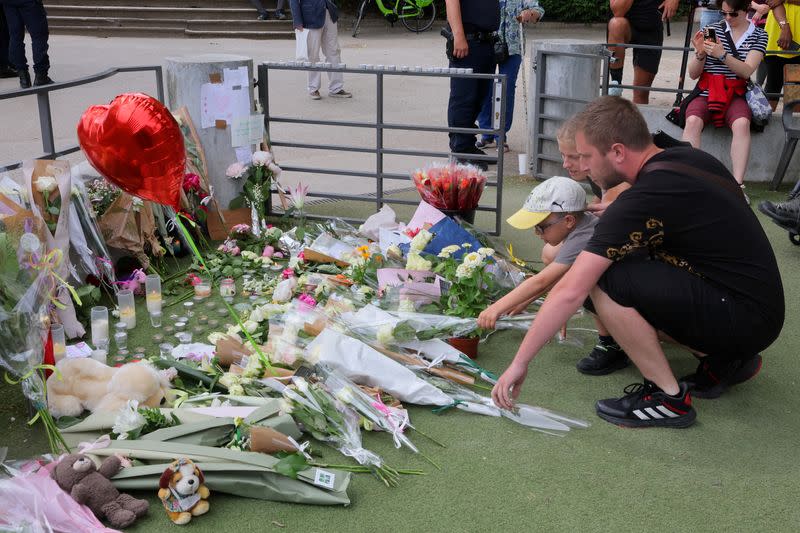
(726, 54)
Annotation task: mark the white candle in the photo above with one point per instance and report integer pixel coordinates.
(127, 315)
(59, 351)
(153, 302)
(99, 332)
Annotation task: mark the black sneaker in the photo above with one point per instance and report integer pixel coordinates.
(603, 359)
(783, 213)
(711, 378)
(280, 15)
(645, 405)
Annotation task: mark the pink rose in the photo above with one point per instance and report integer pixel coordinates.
(268, 251)
(287, 273)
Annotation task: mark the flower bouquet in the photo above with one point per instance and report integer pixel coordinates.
(450, 187)
(257, 186)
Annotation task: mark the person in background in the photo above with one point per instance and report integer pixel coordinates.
(263, 14)
(30, 16)
(512, 12)
(782, 21)
(320, 18)
(637, 22)
(470, 44)
(723, 73)
(5, 68)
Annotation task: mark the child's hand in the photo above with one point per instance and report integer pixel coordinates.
(488, 318)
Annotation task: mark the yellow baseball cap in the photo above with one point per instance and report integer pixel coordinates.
(556, 195)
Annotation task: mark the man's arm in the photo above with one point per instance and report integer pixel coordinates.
(528, 290)
(297, 15)
(565, 298)
(460, 46)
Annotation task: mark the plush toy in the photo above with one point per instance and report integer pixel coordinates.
(85, 383)
(77, 475)
(182, 491)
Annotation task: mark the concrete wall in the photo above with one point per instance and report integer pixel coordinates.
(764, 154)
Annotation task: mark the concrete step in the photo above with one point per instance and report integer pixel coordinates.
(259, 35)
(197, 25)
(240, 4)
(254, 26)
(184, 13)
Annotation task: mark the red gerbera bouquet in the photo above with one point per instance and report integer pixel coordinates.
(451, 186)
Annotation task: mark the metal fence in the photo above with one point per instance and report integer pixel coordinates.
(380, 126)
(42, 95)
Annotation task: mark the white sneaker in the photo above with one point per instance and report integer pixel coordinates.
(341, 93)
(614, 89)
(315, 95)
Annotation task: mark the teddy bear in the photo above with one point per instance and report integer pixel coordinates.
(76, 474)
(182, 491)
(84, 383)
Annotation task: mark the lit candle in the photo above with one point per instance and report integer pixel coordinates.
(59, 342)
(153, 302)
(127, 311)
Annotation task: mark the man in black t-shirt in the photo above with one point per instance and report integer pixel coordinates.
(678, 256)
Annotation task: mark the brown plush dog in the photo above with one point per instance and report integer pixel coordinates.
(182, 491)
(77, 475)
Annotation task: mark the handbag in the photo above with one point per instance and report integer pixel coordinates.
(754, 95)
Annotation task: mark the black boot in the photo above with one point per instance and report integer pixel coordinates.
(7, 72)
(24, 79)
(42, 79)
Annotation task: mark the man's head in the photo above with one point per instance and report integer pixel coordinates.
(552, 208)
(611, 138)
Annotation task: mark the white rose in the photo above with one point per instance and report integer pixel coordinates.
(233, 331)
(250, 326)
(262, 158)
(386, 335)
(406, 306)
(284, 290)
(394, 251)
(421, 240)
(486, 252)
(46, 184)
(236, 390)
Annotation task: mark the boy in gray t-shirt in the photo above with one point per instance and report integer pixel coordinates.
(556, 211)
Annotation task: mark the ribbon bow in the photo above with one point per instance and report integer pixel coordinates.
(103, 441)
(48, 264)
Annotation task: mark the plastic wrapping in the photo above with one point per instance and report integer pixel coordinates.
(450, 186)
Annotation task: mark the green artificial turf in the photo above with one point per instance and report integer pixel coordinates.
(736, 469)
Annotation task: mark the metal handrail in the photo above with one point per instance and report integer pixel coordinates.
(42, 94)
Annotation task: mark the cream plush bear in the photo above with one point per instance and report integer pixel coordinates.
(89, 384)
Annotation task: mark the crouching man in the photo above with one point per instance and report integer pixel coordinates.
(679, 257)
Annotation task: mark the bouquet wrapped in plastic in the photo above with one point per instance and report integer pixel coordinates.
(450, 186)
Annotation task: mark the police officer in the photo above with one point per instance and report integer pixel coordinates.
(5, 69)
(472, 24)
(28, 15)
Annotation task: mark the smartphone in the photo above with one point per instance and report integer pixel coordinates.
(709, 34)
(794, 46)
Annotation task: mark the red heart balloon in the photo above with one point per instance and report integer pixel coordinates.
(136, 144)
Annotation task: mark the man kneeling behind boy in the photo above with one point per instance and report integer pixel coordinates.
(556, 211)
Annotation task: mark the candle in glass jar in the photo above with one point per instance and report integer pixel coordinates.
(227, 288)
(153, 293)
(127, 309)
(59, 342)
(99, 326)
(203, 289)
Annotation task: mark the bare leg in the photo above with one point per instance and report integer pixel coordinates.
(619, 31)
(740, 148)
(693, 130)
(642, 77)
(638, 338)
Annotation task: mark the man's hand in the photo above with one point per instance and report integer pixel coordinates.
(508, 387)
(668, 9)
(785, 37)
(488, 317)
(528, 15)
(598, 208)
(298, 28)
(761, 11)
(460, 46)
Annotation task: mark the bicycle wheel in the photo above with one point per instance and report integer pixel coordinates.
(420, 20)
(362, 9)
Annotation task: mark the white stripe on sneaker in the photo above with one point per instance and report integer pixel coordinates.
(641, 415)
(652, 412)
(667, 411)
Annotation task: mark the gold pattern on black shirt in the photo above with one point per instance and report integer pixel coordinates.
(655, 231)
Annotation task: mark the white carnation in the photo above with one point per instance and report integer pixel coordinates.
(464, 271)
(386, 335)
(421, 240)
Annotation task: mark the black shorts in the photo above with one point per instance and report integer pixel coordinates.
(688, 308)
(646, 28)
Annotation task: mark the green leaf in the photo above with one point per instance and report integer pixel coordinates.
(237, 203)
(53, 210)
